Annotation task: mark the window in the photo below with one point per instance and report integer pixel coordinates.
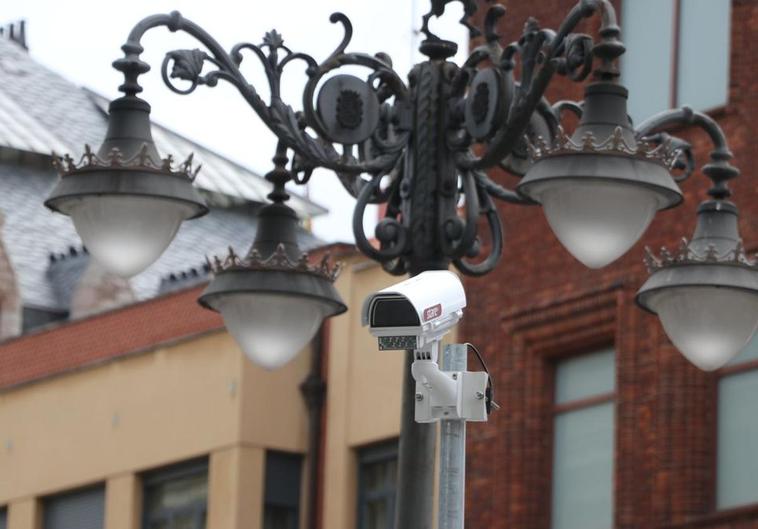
(583, 440)
(176, 497)
(34, 317)
(281, 506)
(82, 509)
(677, 54)
(737, 469)
(377, 482)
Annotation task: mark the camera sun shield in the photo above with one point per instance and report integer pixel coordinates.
(415, 312)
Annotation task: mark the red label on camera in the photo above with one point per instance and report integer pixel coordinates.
(432, 312)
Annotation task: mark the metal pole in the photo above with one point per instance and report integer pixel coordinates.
(415, 480)
(432, 166)
(452, 452)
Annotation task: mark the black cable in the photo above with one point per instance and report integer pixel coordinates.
(490, 391)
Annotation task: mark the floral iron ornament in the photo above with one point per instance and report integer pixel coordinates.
(685, 254)
(615, 144)
(279, 260)
(141, 161)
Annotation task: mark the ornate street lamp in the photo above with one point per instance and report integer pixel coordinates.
(273, 300)
(422, 148)
(706, 294)
(125, 201)
(600, 188)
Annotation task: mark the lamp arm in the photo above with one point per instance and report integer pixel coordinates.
(377, 153)
(544, 53)
(719, 170)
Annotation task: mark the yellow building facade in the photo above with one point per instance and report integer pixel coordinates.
(111, 422)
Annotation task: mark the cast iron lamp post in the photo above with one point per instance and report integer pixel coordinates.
(422, 148)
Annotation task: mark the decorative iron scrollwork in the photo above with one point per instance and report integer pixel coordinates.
(438, 9)
(464, 120)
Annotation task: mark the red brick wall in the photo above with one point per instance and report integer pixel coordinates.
(541, 303)
(99, 338)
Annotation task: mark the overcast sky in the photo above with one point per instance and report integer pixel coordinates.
(80, 38)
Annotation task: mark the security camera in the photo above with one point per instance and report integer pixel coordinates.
(415, 314)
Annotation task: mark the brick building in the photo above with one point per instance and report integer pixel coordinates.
(603, 422)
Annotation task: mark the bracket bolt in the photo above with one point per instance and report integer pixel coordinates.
(479, 395)
(419, 397)
(455, 376)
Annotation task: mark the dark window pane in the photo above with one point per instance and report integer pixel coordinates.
(185, 521)
(377, 515)
(281, 508)
(84, 509)
(377, 476)
(177, 493)
(282, 480)
(33, 318)
(177, 497)
(279, 517)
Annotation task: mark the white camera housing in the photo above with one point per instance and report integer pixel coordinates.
(415, 312)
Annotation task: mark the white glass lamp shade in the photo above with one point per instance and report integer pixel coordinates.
(271, 328)
(126, 233)
(709, 325)
(597, 220)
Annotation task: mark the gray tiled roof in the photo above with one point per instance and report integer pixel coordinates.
(19, 130)
(51, 110)
(54, 103)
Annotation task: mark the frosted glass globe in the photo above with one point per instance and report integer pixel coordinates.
(126, 233)
(597, 221)
(269, 328)
(709, 325)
